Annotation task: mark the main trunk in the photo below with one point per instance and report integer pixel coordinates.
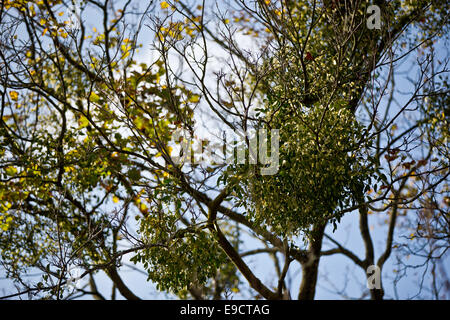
(310, 268)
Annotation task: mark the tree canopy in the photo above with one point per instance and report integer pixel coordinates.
(94, 172)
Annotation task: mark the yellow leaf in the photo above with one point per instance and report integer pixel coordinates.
(32, 10)
(10, 171)
(140, 123)
(45, 31)
(164, 5)
(69, 169)
(143, 208)
(14, 95)
(194, 98)
(226, 21)
(61, 14)
(115, 199)
(42, 22)
(126, 50)
(161, 37)
(83, 122)
(94, 97)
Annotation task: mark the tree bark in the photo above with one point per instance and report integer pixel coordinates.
(310, 268)
(123, 289)
(377, 294)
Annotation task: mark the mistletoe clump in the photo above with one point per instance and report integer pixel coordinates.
(321, 165)
(179, 256)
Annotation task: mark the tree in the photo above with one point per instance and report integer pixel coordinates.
(101, 160)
